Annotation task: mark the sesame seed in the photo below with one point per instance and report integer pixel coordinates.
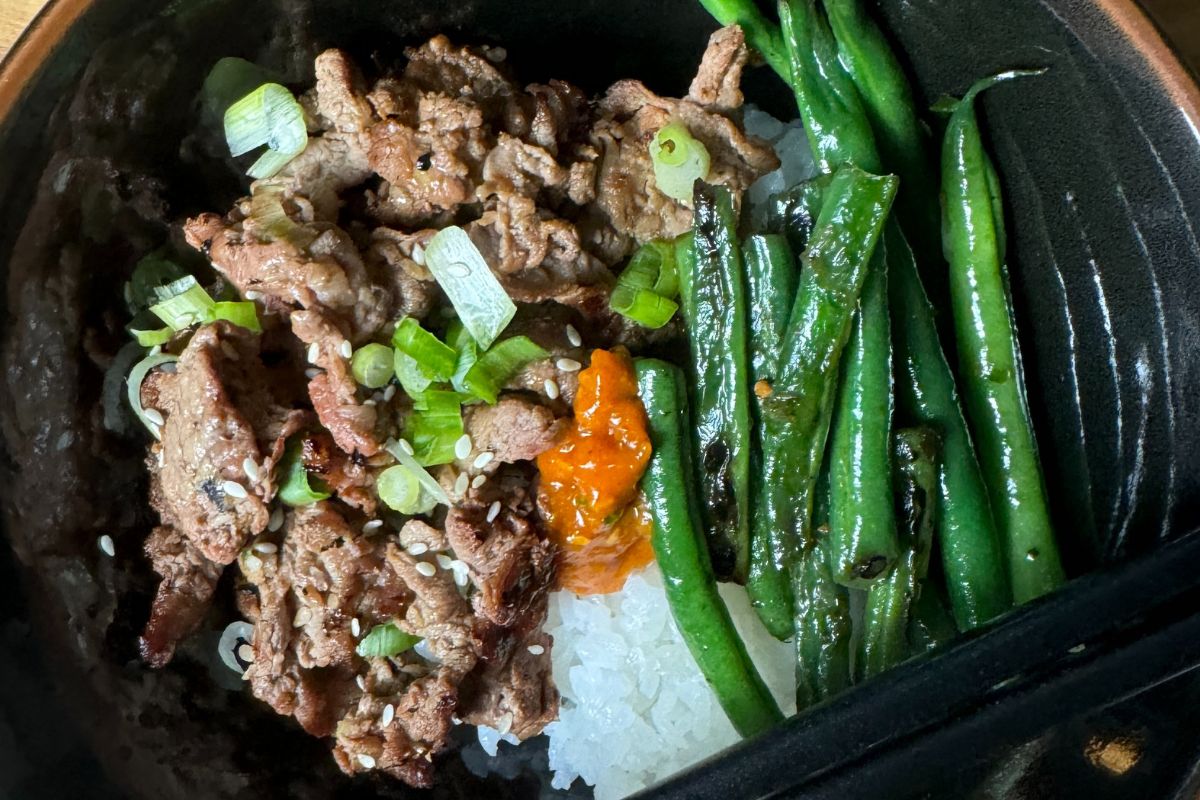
(443, 560)
(155, 416)
(234, 489)
(246, 653)
(573, 336)
(345, 348)
(361, 681)
(372, 525)
(266, 548)
(302, 618)
(483, 459)
(314, 352)
(461, 483)
(355, 627)
(250, 467)
(367, 761)
(389, 392)
(456, 720)
(276, 520)
(419, 549)
(536, 649)
(252, 563)
(311, 373)
(505, 723)
(478, 480)
(369, 402)
(459, 270)
(107, 546)
(229, 352)
(426, 569)
(462, 448)
(406, 447)
(493, 510)
(418, 254)
(568, 365)
(551, 389)
(460, 577)
(252, 295)
(389, 714)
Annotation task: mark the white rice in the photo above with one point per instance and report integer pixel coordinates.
(635, 708)
(795, 159)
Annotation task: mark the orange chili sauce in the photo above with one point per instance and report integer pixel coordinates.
(588, 494)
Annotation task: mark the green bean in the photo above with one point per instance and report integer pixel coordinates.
(862, 542)
(713, 299)
(976, 577)
(771, 277)
(680, 550)
(795, 415)
(930, 626)
(884, 640)
(989, 358)
(761, 34)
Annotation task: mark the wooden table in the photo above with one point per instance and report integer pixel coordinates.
(1179, 18)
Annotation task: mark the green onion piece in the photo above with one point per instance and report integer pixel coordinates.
(468, 353)
(295, 489)
(412, 378)
(642, 306)
(385, 641)
(435, 426)
(478, 298)
(230, 79)
(372, 365)
(150, 338)
(679, 161)
(150, 273)
(182, 303)
(136, 376)
(241, 312)
(496, 367)
(271, 221)
(268, 115)
(401, 491)
(435, 358)
(402, 452)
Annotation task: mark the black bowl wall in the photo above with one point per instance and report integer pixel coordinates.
(1098, 157)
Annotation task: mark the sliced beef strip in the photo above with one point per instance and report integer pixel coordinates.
(514, 429)
(183, 597)
(718, 81)
(515, 694)
(348, 477)
(392, 255)
(207, 437)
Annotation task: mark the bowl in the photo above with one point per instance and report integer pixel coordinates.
(1099, 160)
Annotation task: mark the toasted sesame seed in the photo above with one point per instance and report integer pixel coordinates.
(250, 467)
(406, 447)
(230, 352)
(369, 402)
(389, 714)
(478, 480)
(426, 569)
(418, 254)
(419, 549)
(234, 489)
(246, 653)
(302, 618)
(493, 510)
(462, 448)
(252, 295)
(252, 563)
(367, 761)
(389, 392)
(266, 548)
(443, 560)
(345, 348)
(372, 525)
(536, 649)
(107, 546)
(459, 270)
(461, 483)
(461, 577)
(551, 389)
(311, 373)
(568, 365)
(361, 681)
(355, 627)
(483, 459)
(314, 352)
(155, 416)
(573, 336)
(276, 520)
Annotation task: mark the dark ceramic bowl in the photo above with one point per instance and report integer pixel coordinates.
(1099, 158)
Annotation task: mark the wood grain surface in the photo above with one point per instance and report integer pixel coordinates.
(1180, 19)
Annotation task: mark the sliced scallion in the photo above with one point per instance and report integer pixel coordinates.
(435, 358)
(642, 306)
(679, 161)
(385, 641)
(427, 481)
(434, 426)
(268, 115)
(153, 336)
(150, 273)
(230, 79)
(400, 490)
(460, 339)
(478, 298)
(182, 303)
(239, 312)
(136, 376)
(296, 487)
(372, 365)
(498, 365)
